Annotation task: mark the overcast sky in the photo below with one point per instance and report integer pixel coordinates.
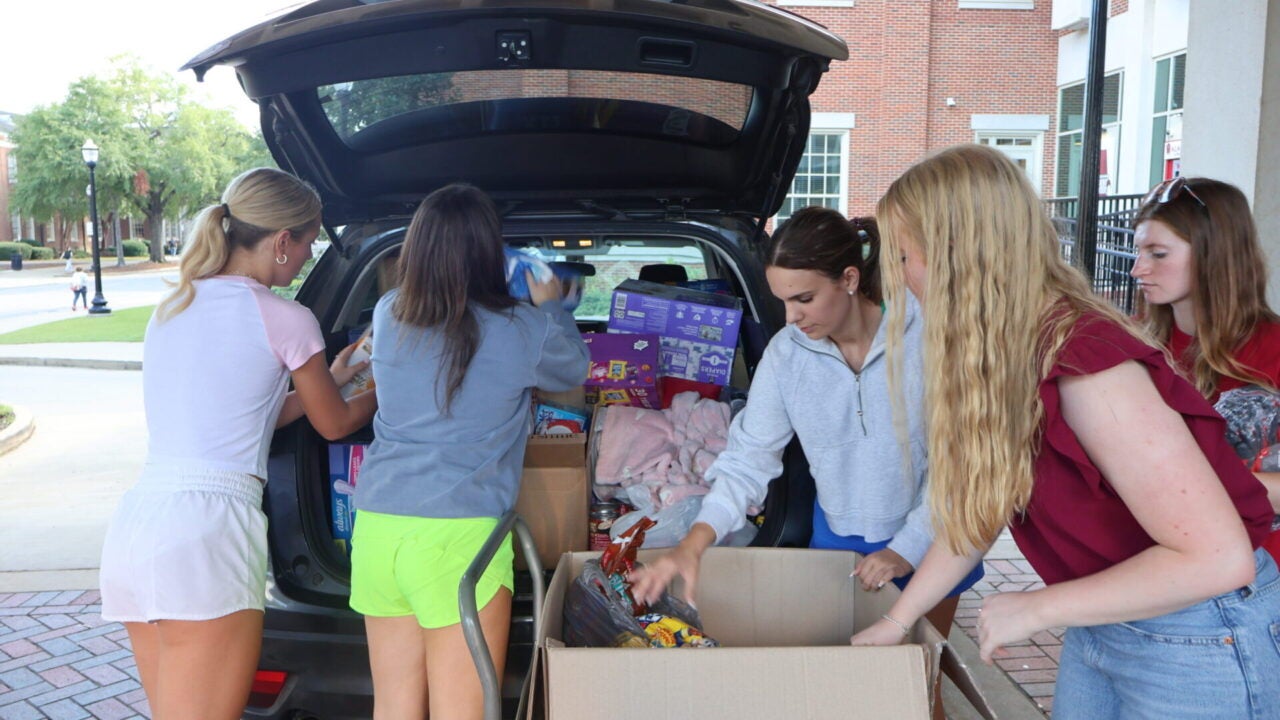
(48, 44)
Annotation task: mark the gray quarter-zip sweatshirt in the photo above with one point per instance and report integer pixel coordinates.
(844, 420)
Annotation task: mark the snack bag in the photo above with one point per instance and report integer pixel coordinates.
(599, 610)
(362, 380)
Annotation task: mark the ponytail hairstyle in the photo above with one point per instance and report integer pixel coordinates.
(822, 240)
(453, 256)
(255, 205)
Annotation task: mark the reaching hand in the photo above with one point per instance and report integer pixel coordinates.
(881, 632)
(880, 567)
(342, 374)
(1006, 618)
(543, 292)
(650, 580)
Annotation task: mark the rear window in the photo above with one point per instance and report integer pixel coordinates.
(625, 262)
(463, 103)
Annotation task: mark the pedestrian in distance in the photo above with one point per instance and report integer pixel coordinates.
(454, 363)
(824, 378)
(79, 288)
(185, 558)
(1053, 413)
(1203, 277)
(66, 255)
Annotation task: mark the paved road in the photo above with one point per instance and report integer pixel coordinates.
(58, 489)
(41, 295)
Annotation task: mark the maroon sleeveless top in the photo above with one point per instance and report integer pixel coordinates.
(1075, 524)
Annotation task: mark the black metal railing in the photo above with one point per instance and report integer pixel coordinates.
(1115, 250)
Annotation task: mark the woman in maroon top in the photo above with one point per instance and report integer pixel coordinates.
(1203, 277)
(1053, 413)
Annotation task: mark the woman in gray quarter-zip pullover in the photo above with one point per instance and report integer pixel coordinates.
(824, 379)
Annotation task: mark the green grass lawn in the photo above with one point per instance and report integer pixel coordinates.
(6, 416)
(120, 326)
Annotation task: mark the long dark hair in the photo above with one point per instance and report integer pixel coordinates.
(452, 257)
(821, 239)
(1228, 278)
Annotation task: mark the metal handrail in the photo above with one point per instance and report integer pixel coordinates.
(490, 683)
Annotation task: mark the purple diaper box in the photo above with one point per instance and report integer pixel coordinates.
(624, 370)
(698, 331)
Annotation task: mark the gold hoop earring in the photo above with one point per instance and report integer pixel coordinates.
(282, 259)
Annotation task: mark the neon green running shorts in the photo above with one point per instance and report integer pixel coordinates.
(402, 565)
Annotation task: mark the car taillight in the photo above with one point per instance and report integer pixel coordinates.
(267, 685)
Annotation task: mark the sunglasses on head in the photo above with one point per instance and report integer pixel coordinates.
(1170, 190)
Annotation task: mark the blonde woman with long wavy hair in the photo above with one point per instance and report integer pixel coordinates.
(185, 558)
(1052, 413)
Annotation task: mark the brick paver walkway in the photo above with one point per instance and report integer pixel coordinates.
(1033, 663)
(59, 660)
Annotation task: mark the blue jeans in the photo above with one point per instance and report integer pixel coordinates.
(824, 538)
(1216, 659)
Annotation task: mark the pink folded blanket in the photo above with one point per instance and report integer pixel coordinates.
(667, 451)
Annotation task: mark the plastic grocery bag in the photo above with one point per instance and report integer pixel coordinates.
(599, 610)
(596, 614)
(673, 522)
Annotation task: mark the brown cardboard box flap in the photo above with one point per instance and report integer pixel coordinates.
(556, 451)
(738, 683)
(784, 618)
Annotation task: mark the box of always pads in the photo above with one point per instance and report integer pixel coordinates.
(783, 618)
(344, 471)
(697, 331)
(624, 369)
(553, 495)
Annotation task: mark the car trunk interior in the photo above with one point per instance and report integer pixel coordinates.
(309, 566)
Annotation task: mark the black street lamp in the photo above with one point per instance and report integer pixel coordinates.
(90, 152)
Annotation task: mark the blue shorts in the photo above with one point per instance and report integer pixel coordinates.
(824, 538)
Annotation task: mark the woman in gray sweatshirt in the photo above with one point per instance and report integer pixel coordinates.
(454, 360)
(824, 378)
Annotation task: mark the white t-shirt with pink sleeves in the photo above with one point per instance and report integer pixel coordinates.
(215, 375)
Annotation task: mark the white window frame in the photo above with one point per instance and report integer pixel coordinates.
(1169, 111)
(1115, 128)
(838, 124)
(1035, 168)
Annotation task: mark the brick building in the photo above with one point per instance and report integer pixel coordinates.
(923, 75)
(9, 224)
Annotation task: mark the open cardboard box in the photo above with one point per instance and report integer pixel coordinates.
(553, 498)
(783, 618)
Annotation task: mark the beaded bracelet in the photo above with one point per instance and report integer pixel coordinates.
(905, 630)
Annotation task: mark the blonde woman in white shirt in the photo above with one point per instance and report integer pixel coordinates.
(185, 559)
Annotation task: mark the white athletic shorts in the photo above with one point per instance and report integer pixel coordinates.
(185, 544)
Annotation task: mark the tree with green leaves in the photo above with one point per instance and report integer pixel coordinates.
(162, 155)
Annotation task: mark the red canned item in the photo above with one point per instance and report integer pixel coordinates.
(599, 521)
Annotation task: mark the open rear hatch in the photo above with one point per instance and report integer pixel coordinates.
(636, 105)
